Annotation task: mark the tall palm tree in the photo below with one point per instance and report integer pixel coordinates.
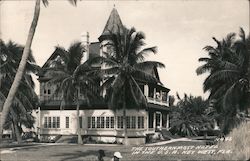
(228, 81)
(25, 99)
(124, 67)
(74, 81)
(22, 64)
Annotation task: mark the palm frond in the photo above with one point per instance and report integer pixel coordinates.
(73, 2)
(138, 95)
(146, 65)
(102, 60)
(203, 69)
(45, 3)
(242, 34)
(231, 98)
(140, 56)
(224, 76)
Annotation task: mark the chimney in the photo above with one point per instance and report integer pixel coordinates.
(85, 43)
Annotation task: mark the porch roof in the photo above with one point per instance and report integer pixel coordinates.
(156, 107)
(55, 105)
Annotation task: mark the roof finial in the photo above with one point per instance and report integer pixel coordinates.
(114, 5)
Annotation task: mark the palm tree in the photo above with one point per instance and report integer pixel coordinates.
(228, 81)
(21, 68)
(25, 99)
(74, 81)
(124, 67)
(188, 116)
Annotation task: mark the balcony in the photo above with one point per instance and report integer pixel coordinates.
(155, 94)
(157, 101)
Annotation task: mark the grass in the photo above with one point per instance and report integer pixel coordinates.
(239, 144)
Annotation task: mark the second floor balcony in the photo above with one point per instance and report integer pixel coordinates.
(155, 94)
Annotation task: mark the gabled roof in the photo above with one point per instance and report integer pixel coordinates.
(52, 56)
(154, 72)
(47, 63)
(114, 25)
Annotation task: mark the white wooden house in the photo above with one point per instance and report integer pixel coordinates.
(98, 121)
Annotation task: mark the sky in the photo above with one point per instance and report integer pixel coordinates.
(179, 28)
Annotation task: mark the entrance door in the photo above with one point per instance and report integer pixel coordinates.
(150, 120)
(158, 120)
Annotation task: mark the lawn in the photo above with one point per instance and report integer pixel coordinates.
(53, 152)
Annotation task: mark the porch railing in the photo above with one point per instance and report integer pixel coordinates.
(157, 101)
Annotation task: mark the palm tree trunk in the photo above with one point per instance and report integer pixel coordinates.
(17, 132)
(79, 140)
(125, 120)
(21, 68)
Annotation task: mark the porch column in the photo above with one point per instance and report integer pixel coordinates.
(146, 90)
(160, 120)
(161, 95)
(167, 124)
(154, 93)
(154, 122)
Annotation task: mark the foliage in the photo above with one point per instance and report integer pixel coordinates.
(125, 66)
(74, 81)
(228, 80)
(25, 99)
(189, 116)
(69, 76)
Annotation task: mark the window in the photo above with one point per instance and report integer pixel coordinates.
(58, 122)
(151, 92)
(89, 122)
(45, 122)
(142, 88)
(54, 122)
(93, 122)
(98, 124)
(49, 122)
(44, 91)
(140, 122)
(112, 121)
(128, 122)
(67, 122)
(119, 122)
(102, 122)
(133, 123)
(107, 122)
(49, 92)
(80, 121)
(151, 120)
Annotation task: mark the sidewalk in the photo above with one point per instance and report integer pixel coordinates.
(15, 144)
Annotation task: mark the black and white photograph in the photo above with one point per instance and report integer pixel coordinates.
(124, 80)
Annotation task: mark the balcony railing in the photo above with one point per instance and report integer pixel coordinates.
(47, 98)
(157, 101)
